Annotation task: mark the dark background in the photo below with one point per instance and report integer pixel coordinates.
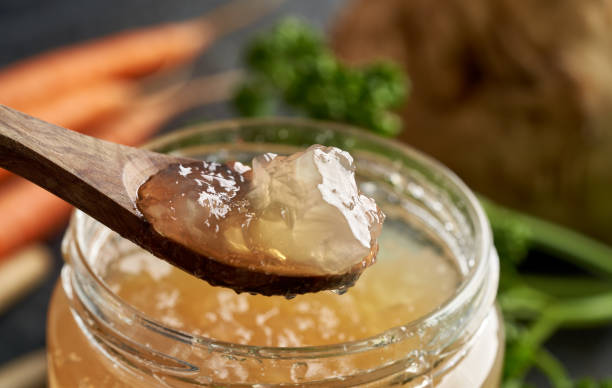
(28, 27)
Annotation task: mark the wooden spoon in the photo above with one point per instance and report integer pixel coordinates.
(102, 179)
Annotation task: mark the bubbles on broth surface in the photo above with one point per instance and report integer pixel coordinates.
(411, 278)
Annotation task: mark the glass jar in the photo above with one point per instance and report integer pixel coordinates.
(96, 339)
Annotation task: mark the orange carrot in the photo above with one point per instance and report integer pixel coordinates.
(148, 114)
(133, 53)
(30, 213)
(84, 107)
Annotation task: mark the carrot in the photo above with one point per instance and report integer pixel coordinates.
(84, 107)
(149, 113)
(30, 213)
(133, 53)
(126, 54)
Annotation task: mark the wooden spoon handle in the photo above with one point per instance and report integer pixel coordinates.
(52, 156)
(99, 177)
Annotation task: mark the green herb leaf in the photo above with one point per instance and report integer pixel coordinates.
(292, 64)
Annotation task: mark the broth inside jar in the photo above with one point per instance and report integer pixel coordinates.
(414, 274)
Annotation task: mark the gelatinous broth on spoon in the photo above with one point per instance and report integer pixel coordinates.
(297, 215)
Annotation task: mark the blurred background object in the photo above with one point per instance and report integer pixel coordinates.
(515, 96)
(27, 371)
(21, 272)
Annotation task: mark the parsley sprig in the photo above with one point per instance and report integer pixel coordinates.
(293, 65)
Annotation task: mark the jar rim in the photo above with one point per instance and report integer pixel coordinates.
(469, 287)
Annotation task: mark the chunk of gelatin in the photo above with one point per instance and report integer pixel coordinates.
(300, 215)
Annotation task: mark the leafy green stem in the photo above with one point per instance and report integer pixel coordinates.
(566, 286)
(559, 241)
(552, 369)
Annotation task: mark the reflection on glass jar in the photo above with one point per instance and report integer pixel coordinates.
(422, 316)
